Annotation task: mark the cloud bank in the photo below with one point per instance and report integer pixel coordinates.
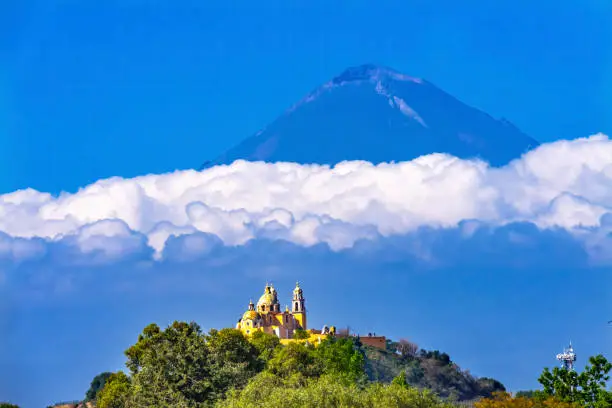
(562, 185)
(477, 261)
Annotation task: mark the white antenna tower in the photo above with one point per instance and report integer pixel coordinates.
(567, 358)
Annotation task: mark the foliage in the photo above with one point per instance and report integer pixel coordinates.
(233, 360)
(7, 405)
(335, 357)
(295, 359)
(169, 367)
(115, 392)
(341, 357)
(182, 367)
(400, 380)
(146, 340)
(427, 369)
(268, 390)
(505, 400)
(587, 388)
(265, 344)
(562, 388)
(300, 334)
(96, 385)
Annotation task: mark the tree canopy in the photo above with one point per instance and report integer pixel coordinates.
(587, 388)
(562, 388)
(115, 392)
(180, 366)
(96, 385)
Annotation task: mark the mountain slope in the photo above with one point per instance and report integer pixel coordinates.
(377, 114)
(428, 369)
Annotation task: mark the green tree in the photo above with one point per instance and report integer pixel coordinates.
(300, 334)
(400, 379)
(150, 336)
(295, 359)
(233, 359)
(268, 390)
(170, 368)
(265, 344)
(587, 388)
(182, 367)
(115, 392)
(96, 385)
(341, 357)
(8, 405)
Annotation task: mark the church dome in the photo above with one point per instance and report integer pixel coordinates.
(268, 299)
(250, 315)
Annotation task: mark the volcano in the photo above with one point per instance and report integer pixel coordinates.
(377, 114)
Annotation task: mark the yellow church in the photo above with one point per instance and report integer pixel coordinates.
(267, 316)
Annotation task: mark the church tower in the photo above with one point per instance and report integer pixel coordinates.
(299, 306)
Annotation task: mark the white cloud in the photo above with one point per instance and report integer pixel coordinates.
(112, 238)
(564, 184)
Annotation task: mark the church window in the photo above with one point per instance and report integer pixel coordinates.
(263, 308)
(296, 306)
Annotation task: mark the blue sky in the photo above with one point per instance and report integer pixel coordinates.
(127, 88)
(132, 87)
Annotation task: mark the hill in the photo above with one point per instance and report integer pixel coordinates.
(432, 370)
(184, 367)
(225, 366)
(377, 114)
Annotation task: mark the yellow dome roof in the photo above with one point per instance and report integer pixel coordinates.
(250, 315)
(268, 298)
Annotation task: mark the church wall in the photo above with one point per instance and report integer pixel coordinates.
(301, 319)
(279, 319)
(374, 341)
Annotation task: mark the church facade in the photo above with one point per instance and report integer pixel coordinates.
(267, 316)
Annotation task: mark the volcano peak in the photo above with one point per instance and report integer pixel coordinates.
(377, 114)
(371, 72)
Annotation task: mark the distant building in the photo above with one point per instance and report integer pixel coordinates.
(267, 316)
(374, 341)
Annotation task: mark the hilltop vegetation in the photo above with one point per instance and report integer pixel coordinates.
(182, 367)
(432, 370)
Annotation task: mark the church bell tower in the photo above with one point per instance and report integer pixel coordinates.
(299, 306)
